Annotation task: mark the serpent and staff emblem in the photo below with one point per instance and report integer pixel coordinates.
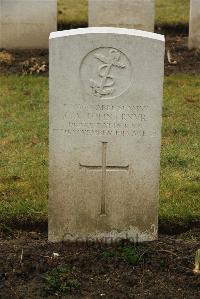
(105, 86)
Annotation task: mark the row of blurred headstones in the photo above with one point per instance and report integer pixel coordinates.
(27, 24)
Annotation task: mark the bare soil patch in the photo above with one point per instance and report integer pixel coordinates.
(22, 61)
(164, 272)
(182, 59)
(178, 59)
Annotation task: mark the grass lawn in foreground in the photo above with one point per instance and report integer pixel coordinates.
(171, 12)
(24, 149)
(180, 160)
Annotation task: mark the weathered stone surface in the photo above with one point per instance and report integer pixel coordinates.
(138, 14)
(27, 23)
(194, 26)
(105, 126)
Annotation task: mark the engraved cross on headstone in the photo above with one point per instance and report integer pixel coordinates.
(104, 167)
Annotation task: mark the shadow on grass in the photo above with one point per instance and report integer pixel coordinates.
(166, 29)
(166, 226)
(172, 29)
(74, 25)
(177, 226)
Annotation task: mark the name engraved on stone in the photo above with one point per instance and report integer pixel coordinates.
(106, 73)
(106, 120)
(104, 168)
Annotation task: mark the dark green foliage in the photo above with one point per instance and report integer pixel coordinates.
(60, 281)
(131, 254)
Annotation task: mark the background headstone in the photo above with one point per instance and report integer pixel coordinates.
(105, 126)
(27, 23)
(194, 26)
(138, 14)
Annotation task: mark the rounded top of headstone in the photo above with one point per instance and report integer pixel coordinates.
(104, 30)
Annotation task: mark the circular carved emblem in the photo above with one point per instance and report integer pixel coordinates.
(106, 73)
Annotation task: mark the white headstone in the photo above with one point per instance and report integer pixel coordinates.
(27, 23)
(138, 14)
(105, 127)
(194, 26)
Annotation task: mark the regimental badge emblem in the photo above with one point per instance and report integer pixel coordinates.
(106, 73)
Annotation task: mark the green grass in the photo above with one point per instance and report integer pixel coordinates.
(180, 160)
(172, 12)
(23, 146)
(60, 281)
(75, 12)
(130, 254)
(24, 149)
